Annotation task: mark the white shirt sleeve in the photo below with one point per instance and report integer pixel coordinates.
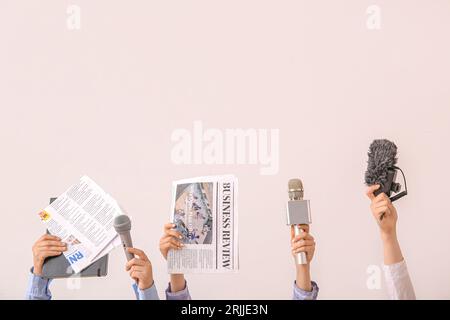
(398, 283)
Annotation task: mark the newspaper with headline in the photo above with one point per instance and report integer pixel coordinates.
(205, 211)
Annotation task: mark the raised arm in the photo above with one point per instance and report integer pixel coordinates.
(170, 240)
(46, 246)
(304, 288)
(398, 282)
(141, 271)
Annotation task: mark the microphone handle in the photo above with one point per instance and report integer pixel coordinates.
(127, 243)
(300, 258)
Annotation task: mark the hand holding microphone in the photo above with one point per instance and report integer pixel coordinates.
(382, 171)
(140, 267)
(303, 243)
(381, 178)
(383, 211)
(298, 217)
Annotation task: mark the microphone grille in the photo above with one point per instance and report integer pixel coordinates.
(122, 223)
(295, 184)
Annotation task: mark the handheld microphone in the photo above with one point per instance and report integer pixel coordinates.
(382, 169)
(122, 224)
(298, 212)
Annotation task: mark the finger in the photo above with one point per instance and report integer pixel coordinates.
(175, 243)
(169, 246)
(371, 190)
(304, 249)
(307, 249)
(48, 237)
(304, 227)
(134, 262)
(136, 275)
(165, 249)
(303, 243)
(169, 226)
(381, 210)
(380, 213)
(383, 203)
(54, 243)
(49, 253)
(137, 269)
(139, 253)
(173, 233)
(52, 248)
(382, 196)
(302, 236)
(172, 241)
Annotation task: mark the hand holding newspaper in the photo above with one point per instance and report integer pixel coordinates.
(204, 211)
(83, 218)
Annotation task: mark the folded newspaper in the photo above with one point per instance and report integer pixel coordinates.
(83, 218)
(204, 210)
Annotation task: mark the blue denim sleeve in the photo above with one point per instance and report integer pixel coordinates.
(38, 288)
(179, 295)
(300, 294)
(146, 294)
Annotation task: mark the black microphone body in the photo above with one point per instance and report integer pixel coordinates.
(382, 169)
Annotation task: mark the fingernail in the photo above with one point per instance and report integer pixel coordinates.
(180, 237)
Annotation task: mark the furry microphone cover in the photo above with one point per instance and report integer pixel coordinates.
(382, 155)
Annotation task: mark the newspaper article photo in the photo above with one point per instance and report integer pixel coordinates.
(204, 211)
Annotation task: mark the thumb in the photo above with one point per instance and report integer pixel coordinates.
(371, 190)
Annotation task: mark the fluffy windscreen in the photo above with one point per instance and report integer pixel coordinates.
(382, 156)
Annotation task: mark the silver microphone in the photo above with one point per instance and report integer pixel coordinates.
(298, 212)
(122, 224)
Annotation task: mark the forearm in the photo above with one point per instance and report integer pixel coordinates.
(178, 288)
(391, 249)
(38, 288)
(177, 282)
(303, 277)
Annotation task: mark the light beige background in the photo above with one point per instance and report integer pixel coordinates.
(104, 100)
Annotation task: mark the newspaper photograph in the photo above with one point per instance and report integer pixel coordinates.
(83, 218)
(204, 211)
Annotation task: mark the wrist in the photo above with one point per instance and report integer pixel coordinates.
(145, 285)
(37, 267)
(303, 278)
(302, 268)
(389, 237)
(177, 282)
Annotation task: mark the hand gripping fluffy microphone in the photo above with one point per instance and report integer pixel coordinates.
(382, 169)
(298, 212)
(122, 224)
